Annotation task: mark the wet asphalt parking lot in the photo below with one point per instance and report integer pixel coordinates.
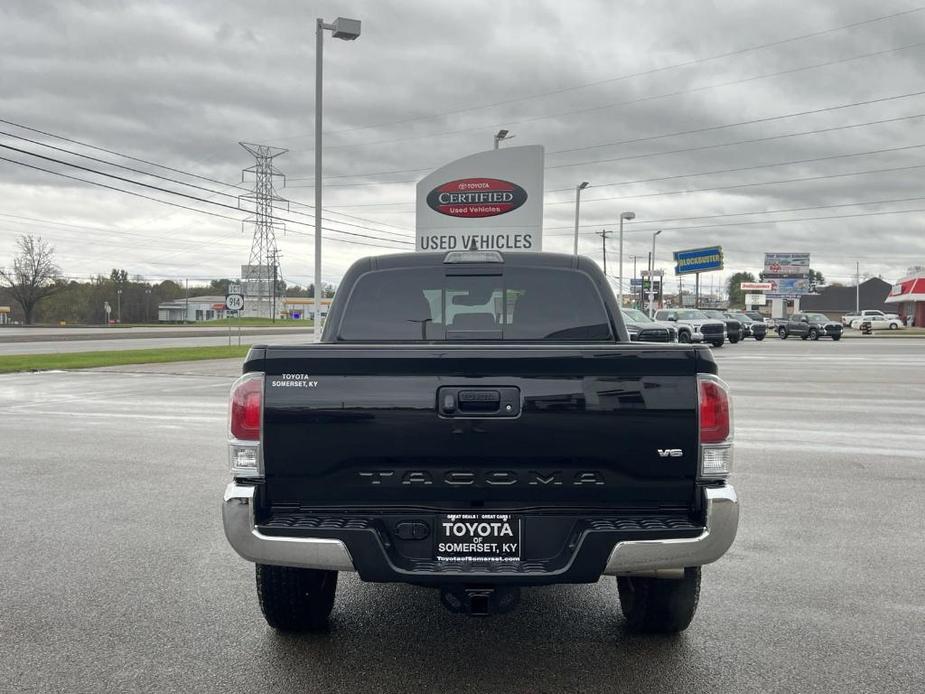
(116, 575)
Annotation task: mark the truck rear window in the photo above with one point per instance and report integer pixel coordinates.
(427, 304)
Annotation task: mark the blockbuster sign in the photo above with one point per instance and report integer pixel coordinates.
(493, 199)
(698, 260)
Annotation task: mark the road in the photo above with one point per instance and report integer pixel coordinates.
(117, 577)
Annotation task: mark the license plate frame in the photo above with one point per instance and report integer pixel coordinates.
(478, 537)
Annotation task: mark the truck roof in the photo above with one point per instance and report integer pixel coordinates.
(514, 259)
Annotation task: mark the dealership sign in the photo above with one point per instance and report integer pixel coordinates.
(490, 201)
(784, 264)
(756, 286)
(698, 260)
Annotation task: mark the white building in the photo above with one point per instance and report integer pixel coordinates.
(196, 308)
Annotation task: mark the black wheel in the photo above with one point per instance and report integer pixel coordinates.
(295, 599)
(684, 337)
(733, 340)
(759, 338)
(660, 605)
(717, 343)
(836, 338)
(782, 333)
(813, 334)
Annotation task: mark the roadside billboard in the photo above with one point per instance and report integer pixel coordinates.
(789, 287)
(783, 264)
(698, 260)
(493, 199)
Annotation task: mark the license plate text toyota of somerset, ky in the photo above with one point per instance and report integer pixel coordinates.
(478, 537)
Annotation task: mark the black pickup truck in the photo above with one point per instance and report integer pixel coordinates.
(479, 423)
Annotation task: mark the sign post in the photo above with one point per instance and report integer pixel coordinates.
(234, 302)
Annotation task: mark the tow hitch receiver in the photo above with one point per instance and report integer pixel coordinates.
(479, 601)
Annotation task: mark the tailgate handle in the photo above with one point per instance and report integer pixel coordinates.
(479, 402)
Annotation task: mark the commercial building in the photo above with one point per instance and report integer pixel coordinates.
(907, 298)
(196, 308)
(835, 302)
(302, 308)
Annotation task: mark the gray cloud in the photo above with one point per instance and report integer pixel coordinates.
(182, 83)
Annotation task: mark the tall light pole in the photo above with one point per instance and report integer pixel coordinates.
(623, 215)
(119, 305)
(652, 270)
(348, 30)
(580, 187)
(502, 135)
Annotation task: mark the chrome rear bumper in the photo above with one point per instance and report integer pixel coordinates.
(251, 544)
(647, 556)
(650, 557)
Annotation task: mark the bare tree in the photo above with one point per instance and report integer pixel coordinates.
(33, 275)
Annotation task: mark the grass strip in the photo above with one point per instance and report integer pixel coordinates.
(89, 360)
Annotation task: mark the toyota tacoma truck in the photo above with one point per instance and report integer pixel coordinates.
(479, 423)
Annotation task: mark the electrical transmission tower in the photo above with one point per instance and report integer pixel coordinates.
(259, 276)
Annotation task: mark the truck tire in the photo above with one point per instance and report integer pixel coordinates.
(733, 340)
(782, 333)
(684, 337)
(836, 338)
(294, 599)
(660, 605)
(813, 334)
(759, 338)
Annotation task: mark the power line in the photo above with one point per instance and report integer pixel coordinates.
(701, 148)
(740, 169)
(156, 164)
(643, 73)
(704, 147)
(651, 97)
(166, 178)
(159, 200)
(657, 222)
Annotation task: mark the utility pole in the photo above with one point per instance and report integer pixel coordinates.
(857, 287)
(603, 234)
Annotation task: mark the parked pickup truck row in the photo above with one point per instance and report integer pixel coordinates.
(480, 423)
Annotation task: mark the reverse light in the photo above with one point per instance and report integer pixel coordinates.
(245, 420)
(716, 427)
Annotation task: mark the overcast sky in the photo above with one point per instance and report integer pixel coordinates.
(181, 83)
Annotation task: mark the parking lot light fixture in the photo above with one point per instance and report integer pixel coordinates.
(580, 187)
(347, 30)
(652, 270)
(628, 216)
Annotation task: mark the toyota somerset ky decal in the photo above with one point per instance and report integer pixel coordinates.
(476, 197)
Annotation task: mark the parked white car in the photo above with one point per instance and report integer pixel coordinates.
(849, 318)
(879, 323)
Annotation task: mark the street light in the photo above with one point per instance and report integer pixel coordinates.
(651, 270)
(348, 30)
(580, 187)
(502, 135)
(147, 304)
(119, 305)
(623, 215)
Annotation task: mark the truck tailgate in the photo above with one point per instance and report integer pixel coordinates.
(362, 426)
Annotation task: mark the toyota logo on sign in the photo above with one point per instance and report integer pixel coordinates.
(476, 197)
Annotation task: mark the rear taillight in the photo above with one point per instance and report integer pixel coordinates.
(716, 427)
(245, 418)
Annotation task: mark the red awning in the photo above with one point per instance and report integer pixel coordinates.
(910, 289)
